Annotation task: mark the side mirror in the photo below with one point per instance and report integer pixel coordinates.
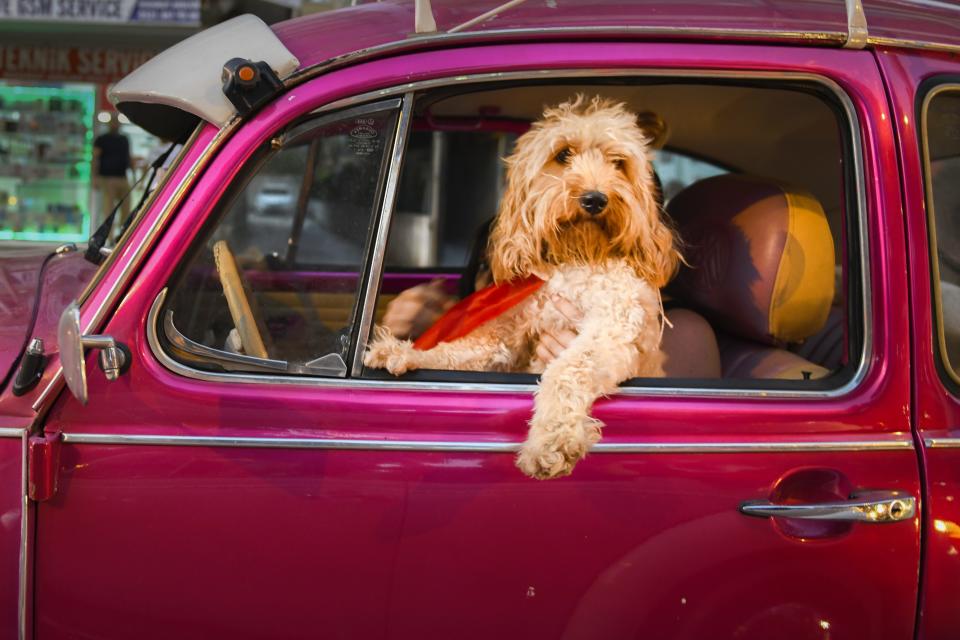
(114, 356)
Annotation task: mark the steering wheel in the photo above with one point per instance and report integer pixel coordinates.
(243, 314)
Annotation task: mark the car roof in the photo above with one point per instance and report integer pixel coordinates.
(327, 38)
(169, 93)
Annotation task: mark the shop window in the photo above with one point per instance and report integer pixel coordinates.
(46, 146)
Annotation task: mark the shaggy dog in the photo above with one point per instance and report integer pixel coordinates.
(581, 213)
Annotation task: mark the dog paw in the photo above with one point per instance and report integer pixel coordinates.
(387, 352)
(553, 452)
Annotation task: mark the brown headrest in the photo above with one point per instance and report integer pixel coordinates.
(760, 256)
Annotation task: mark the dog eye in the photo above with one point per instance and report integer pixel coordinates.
(563, 155)
(619, 163)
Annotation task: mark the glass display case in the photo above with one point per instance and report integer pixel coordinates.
(46, 148)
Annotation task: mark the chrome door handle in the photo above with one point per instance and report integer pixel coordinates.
(871, 506)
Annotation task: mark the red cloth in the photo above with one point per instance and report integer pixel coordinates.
(475, 309)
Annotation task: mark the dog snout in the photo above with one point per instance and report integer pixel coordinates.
(593, 202)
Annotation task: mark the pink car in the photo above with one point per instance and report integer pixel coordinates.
(234, 471)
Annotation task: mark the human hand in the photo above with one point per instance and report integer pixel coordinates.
(414, 310)
(553, 343)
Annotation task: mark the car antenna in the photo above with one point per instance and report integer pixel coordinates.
(95, 252)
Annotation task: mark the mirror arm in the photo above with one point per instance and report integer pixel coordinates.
(114, 356)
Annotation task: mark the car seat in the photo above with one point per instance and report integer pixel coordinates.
(760, 268)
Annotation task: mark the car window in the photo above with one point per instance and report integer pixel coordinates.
(725, 298)
(677, 171)
(273, 286)
(942, 131)
(446, 170)
(464, 171)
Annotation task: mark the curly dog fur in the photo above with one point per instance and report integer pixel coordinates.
(581, 212)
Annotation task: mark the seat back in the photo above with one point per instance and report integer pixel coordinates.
(760, 268)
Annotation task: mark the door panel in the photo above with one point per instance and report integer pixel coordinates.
(418, 544)
(910, 76)
(199, 507)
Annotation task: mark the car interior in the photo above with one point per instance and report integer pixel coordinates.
(757, 179)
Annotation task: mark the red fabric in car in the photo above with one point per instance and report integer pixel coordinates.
(476, 309)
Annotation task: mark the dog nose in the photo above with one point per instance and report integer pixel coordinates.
(593, 202)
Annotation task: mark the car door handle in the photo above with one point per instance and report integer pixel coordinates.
(872, 506)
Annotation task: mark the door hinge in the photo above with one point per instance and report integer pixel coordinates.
(43, 465)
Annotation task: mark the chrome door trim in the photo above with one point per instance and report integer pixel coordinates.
(853, 123)
(941, 443)
(139, 250)
(872, 443)
(379, 249)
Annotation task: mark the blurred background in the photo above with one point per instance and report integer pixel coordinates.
(58, 58)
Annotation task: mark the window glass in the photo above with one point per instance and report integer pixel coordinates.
(446, 170)
(943, 184)
(277, 278)
(678, 171)
(736, 319)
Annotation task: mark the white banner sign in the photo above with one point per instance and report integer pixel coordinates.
(182, 12)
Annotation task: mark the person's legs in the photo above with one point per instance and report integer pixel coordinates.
(690, 346)
(114, 188)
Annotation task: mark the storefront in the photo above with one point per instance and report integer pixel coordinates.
(53, 106)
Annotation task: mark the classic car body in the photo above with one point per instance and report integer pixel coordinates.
(210, 493)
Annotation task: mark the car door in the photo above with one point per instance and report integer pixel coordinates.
(926, 91)
(208, 495)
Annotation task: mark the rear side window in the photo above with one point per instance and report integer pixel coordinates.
(941, 120)
(274, 286)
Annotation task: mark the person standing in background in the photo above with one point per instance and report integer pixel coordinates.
(111, 159)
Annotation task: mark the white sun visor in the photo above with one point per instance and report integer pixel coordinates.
(169, 92)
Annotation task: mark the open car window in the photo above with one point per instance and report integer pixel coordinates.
(274, 285)
(791, 322)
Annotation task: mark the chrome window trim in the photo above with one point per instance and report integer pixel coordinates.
(905, 43)
(12, 432)
(225, 359)
(941, 443)
(872, 443)
(372, 286)
(853, 123)
(139, 251)
(933, 247)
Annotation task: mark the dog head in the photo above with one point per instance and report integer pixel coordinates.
(580, 190)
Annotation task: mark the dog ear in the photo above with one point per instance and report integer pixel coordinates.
(512, 249)
(650, 243)
(654, 128)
